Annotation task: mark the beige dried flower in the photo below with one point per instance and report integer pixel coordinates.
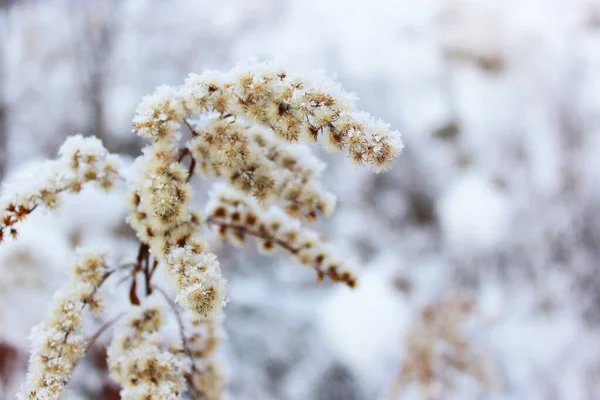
(243, 126)
(58, 344)
(436, 350)
(140, 362)
(202, 337)
(235, 217)
(81, 160)
(257, 163)
(266, 95)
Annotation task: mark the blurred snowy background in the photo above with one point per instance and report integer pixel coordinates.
(495, 198)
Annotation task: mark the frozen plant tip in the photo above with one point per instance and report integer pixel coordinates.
(270, 96)
(58, 343)
(236, 217)
(138, 359)
(241, 128)
(81, 161)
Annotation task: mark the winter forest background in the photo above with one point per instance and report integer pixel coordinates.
(494, 200)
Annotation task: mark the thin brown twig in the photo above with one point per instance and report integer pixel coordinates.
(183, 152)
(153, 269)
(140, 265)
(321, 273)
(192, 167)
(145, 265)
(123, 279)
(133, 297)
(192, 130)
(143, 249)
(255, 233)
(92, 340)
(126, 265)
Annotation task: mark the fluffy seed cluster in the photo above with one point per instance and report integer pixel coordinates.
(231, 145)
(235, 217)
(198, 278)
(160, 115)
(159, 200)
(257, 163)
(437, 350)
(244, 128)
(58, 343)
(81, 160)
(160, 215)
(202, 337)
(267, 95)
(141, 363)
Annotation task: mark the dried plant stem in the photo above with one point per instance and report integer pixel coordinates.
(184, 341)
(253, 232)
(92, 340)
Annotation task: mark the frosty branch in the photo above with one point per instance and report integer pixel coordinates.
(243, 125)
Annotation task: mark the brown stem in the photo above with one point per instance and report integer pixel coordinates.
(189, 126)
(255, 233)
(192, 167)
(183, 152)
(330, 271)
(146, 268)
(142, 264)
(92, 340)
(142, 252)
(133, 297)
(153, 269)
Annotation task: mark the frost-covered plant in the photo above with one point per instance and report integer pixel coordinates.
(437, 351)
(242, 128)
(140, 362)
(58, 341)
